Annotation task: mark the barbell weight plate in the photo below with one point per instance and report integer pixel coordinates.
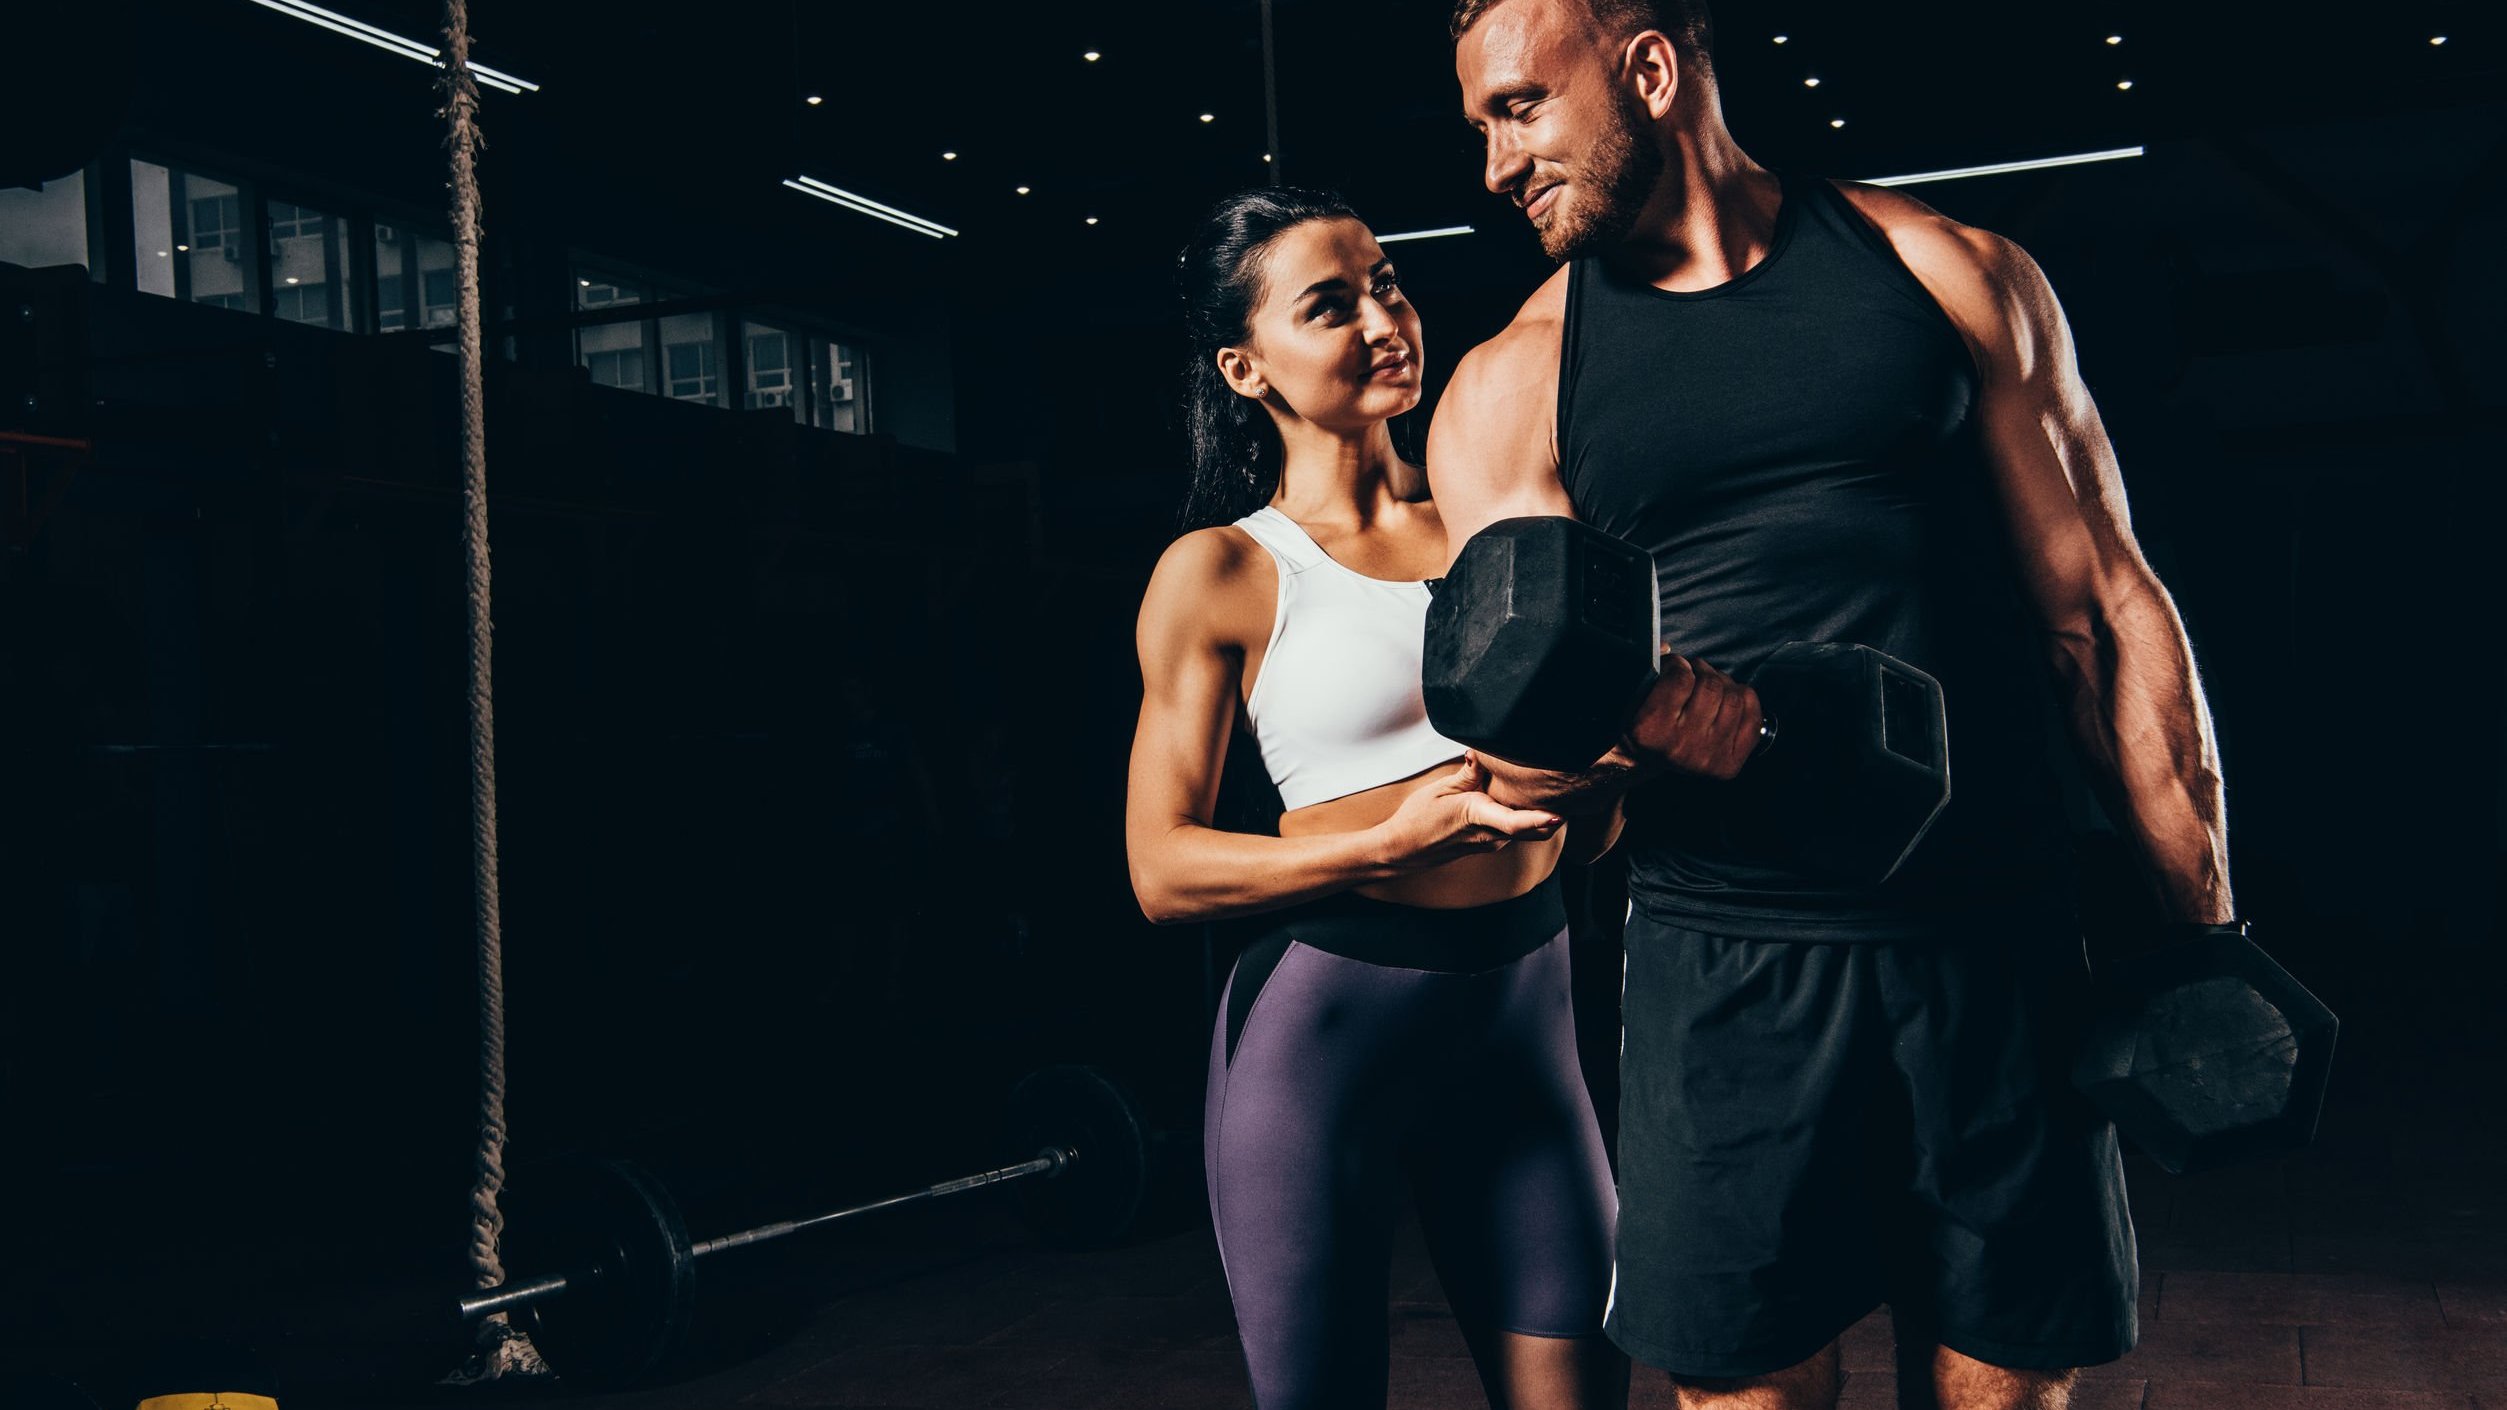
(1098, 1198)
(616, 1235)
(2207, 1052)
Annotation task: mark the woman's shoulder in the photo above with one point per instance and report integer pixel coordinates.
(1214, 576)
(1211, 557)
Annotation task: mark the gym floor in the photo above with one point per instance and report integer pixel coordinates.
(2368, 1273)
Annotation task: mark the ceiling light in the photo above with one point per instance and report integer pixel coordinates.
(1998, 168)
(1092, 220)
(813, 100)
(2437, 39)
(1441, 230)
(161, 254)
(185, 248)
(1022, 190)
(586, 283)
(1092, 56)
(812, 186)
(292, 279)
(400, 44)
(1209, 117)
(1781, 38)
(1836, 122)
(948, 156)
(1810, 83)
(2115, 39)
(2124, 85)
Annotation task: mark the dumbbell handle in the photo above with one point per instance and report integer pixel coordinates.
(1048, 1162)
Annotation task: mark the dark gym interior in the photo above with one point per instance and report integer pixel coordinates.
(817, 541)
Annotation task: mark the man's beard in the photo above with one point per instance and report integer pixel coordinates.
(1622, 172)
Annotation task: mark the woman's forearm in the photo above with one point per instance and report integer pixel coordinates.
(1196, 873)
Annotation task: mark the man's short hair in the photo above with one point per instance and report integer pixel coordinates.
(1687, 22)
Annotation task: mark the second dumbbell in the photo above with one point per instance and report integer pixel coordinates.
(1543, 638)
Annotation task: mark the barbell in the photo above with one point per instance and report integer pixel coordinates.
(620, 1302)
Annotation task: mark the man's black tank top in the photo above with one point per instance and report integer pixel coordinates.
(1798, 449)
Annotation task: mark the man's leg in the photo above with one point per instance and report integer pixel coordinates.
(1965, 1383)
(1745, 1104)
(1812, 1385)
(2014, 1261)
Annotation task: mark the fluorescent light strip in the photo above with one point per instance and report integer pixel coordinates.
(2000, 168)
(866, 210)
(407, 49)
(1442, 230)
(863, 202)
(385, 39)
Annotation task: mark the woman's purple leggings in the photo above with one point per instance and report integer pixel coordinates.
(1333, 1080)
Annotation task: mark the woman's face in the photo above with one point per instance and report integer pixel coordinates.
(1332, 340)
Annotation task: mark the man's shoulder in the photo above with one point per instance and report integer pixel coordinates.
(1526, 349)
(1979, 278)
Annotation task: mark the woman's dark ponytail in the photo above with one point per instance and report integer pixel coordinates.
(1236, 449)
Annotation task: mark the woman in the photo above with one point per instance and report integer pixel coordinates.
(1413, 1018)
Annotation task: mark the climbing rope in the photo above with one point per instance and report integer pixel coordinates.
(502, 1351)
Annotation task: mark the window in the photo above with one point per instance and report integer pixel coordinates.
(309, 267)
(691, 363)
(771, 380)
(45, 226)
(612, 352)
(189, 234)
(840, 394)
(407, 260)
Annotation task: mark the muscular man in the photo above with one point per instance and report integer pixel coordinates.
(1830, 414)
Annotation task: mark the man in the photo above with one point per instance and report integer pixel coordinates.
(1830, 414)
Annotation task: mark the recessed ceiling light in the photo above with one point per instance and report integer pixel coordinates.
(1810, 83)
(1022, 190)
(1209, 117)
(2124, 86)
(292, 279)
(586, 283)
(161, 254)
(2115, 39)
(1092, 56)
(813, 100)
(185, 248)
(2437, 39)
(1266, 156)
(1092, 220)
(1836, 122)
(948, 156)
(1781, 38)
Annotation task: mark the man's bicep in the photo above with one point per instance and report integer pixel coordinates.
(1489, 451)
(2054, 468)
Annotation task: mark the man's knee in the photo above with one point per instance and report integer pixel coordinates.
(1809, 1385)
(1964, 1383)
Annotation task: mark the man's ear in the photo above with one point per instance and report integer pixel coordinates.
(1651, 64)
(1241, 374)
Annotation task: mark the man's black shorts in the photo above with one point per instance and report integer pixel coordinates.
(1809, 1130)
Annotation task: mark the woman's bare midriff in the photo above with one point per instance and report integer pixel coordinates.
(1475, 880)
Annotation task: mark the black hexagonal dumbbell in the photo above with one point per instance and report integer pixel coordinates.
(2205, 1052)
(1544, 635)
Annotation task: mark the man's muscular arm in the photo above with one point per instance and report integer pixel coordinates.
(2135, 701)
(1493, 454)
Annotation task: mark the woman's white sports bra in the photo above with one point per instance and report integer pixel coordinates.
(1336, 706)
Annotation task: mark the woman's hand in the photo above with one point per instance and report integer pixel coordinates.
(1452, 815)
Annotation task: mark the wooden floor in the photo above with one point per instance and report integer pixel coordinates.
(2368, 1274)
